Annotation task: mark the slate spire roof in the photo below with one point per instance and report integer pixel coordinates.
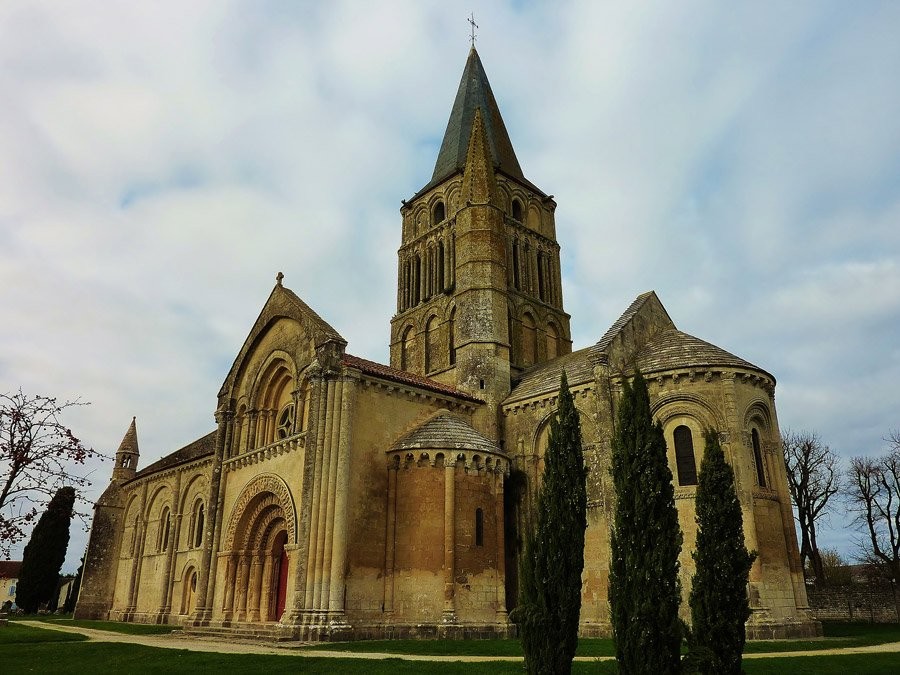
(475, 93)
(130, 440)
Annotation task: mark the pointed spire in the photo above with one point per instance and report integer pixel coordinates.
(129, 443)
(479, 184)
(127, 455)
(475, 93)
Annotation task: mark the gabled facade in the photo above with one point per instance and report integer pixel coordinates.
(341, 498)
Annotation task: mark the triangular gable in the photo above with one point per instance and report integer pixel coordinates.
(641, 322)
(283, 304)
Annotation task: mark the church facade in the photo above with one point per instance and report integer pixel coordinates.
(343, 498)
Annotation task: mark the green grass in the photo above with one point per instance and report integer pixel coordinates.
(98, 658)
(836, 635)
(114, 626)
(17, 634)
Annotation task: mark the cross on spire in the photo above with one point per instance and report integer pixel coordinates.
(473, 26)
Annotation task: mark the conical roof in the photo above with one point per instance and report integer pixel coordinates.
(444, 430)
(475, 93)
(130, 441)
(672, 349)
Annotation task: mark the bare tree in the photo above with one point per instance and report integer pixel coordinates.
(813, 478)
(875, 496)
(37, 457)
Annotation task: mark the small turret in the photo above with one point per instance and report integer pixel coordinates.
(127, 455)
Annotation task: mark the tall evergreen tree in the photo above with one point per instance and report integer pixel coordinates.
(550, 595)
(719, 603)
(45, 552)
(644, 590)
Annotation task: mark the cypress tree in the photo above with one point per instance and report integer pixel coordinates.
(45, 552)
(550, 595)
(644, 590)
(719, 603)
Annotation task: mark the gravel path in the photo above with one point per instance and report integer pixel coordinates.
(193, 643)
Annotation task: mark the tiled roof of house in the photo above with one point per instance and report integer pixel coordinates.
(444, 430)
(9, 569)
(395, 375)
(199, 448)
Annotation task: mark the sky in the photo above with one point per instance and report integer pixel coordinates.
(161, 162)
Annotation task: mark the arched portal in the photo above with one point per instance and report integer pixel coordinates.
(189, 591)
(256, 574)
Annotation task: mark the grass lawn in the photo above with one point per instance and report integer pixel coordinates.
(117, 658)
(16, 634)
(114, 626)
(836, 635)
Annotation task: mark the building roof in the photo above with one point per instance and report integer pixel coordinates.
(672, 349)
(130, 441)
(200, 448)
(444, 430)
(9, 569)
(475, 93)
(544, 377)
(395, 375)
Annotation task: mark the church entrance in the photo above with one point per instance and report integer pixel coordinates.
(256, 569)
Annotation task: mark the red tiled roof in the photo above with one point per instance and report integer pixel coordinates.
(9, 569)
(388, 373)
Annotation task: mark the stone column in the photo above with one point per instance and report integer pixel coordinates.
(342, 503)
(230, 572)
(256, 569)
(212, 526)
(265, 608)
(330, 493)
(390, 538)
(165, 606)
(322, 411)
(449, 613)
(501, 545)
(251, 432)
(141, 536)
(243, 583)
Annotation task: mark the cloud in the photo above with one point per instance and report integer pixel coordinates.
(165, 160)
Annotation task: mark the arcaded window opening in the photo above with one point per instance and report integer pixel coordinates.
(517, 210)
(439, 213)
(685, 462)
(758, 459)
(164, 526)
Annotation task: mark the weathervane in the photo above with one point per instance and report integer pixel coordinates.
(474, 25)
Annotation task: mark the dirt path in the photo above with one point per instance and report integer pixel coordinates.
(196, 644)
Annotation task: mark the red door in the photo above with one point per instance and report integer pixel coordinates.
(281, 592)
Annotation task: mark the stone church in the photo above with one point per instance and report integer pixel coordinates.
(342, 498)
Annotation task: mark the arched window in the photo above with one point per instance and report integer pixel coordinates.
(529, 340)
(515, 264)
(406, 339)
(432, 344)
(164, 525)
(198, 525)
(552, 341)
(439, 213)
(758, 458)
(479, 527)
(285, 422)
(451, 336)
(517, 210)
(417, 280)
(684, 456)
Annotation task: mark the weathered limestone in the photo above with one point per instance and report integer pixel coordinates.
(341, 498)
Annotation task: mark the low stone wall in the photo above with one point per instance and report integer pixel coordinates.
(856, 602)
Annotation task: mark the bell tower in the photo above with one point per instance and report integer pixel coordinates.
(479, 293)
